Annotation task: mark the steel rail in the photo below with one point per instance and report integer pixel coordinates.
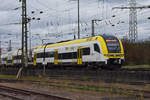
(10, 96)
(30, 93)
(137, 92)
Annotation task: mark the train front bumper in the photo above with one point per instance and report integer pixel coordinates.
(114, 58)
(114, 55)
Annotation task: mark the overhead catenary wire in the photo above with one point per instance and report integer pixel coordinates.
(60, 13)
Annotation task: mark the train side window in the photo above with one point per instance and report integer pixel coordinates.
(86, 51)
(96, 48)
(20, 57)
(39, 55)
(46, 55)
(59, 56)
(16, 57)
(4, 59)
(74, 55)
(51, 54)
(65, 56)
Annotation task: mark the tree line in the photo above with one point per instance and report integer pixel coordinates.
(137, 53)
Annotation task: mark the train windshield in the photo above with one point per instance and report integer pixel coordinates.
(113, 44)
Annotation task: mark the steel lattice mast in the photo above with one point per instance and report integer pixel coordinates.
(133, 31)
(24, 35)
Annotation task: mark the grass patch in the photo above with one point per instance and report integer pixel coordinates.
(32, 78)
(136, 66)
(85, 78)
(7, 77)
(94, 88)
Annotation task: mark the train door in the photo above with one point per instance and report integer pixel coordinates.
(56, 56)
(79, 55)
(34, 59)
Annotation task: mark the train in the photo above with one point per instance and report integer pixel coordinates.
(97, 52)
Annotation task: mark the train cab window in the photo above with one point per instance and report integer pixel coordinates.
(96, 48)
(86, 51)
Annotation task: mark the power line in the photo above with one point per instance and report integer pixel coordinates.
(10, 24)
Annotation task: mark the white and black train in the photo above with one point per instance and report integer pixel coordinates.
(103, 51)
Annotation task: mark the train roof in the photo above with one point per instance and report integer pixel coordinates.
(108, 37)
(69, 42)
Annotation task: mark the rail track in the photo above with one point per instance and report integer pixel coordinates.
(133, 76)
(134, 92)
(21, 94)
(134, 69)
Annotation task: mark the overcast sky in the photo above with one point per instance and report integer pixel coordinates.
(59, 20)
